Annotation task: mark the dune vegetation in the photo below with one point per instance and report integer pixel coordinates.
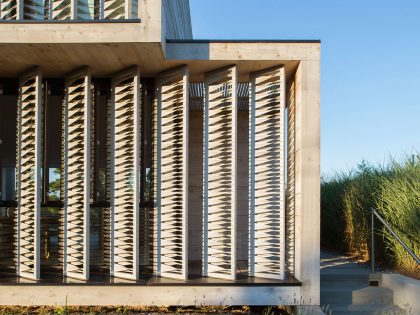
(393, 189)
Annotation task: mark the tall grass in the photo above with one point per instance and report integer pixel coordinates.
(394, 190)
(332, 216)
(399, 203)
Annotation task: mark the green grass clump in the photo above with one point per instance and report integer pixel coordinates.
(393, 189)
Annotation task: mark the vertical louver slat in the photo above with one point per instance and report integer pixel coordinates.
(125, 181)
(9, 9)
(77, 174)
(154, 176)
(173, 174)
(62, 218)
(29, 173)
(219, 194)
(290, 195)
(267, 174)
(60, 9)
(117, 9)
(108, 179)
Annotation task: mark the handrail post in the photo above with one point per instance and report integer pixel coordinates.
(372, 250)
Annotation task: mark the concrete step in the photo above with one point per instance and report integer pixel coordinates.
(372, 309)
(345, 276)
(351, 285)
(373, 295)
(336, 295)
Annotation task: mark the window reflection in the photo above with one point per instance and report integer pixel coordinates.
(51, 236)
(54, 183)
(7, 237)
(7, 183)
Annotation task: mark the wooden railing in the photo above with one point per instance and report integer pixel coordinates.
(68, 10)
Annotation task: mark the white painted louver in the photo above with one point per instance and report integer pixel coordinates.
(29, 173)
(172, 174)
(9, 9)
(220, 168)
(72, 9)
(290, 196)
(77, 174)
(267, 173)
(125, 181)
(117, 9)
(61, 9)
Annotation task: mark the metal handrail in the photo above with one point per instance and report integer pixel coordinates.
(372, 260)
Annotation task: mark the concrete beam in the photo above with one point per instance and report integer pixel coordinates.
(246, 50)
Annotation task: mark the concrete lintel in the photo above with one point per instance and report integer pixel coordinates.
(246, 50)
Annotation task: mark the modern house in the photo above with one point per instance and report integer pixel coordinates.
(139, 166)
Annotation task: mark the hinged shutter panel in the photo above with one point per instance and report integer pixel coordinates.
(29, 173)
(77, 173)
(267, 172)
(125, 174)
(219, 195)
(173, 174)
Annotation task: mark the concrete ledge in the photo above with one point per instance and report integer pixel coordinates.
(141, 295)
(406, 291)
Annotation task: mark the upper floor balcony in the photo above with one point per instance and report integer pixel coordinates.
(65, 10)
(154, 20)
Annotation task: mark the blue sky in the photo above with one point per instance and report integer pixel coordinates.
(370, 68)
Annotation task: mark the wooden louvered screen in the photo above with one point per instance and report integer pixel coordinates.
(77, 174)
(267, 172)
(125, 181)
(29, 173)
(172, 174)
(61, 9)
(117, 9)
(290, 191)
(72, 9)
(67, 9)
(9, 9)
(219, 193)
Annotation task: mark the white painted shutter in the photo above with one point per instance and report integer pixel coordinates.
(29, 153)
(125, 173)
(220, 172)
(267, 172)
(77, 173)
(172, 191)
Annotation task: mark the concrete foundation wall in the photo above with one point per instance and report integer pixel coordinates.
(146, 295)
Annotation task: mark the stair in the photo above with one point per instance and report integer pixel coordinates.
(345, 290)
(340, 276)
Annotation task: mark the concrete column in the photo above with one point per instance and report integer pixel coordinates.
(307, 185)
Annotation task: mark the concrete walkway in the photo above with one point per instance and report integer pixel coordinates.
(340, 275)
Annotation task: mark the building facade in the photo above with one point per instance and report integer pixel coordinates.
(140, 166)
